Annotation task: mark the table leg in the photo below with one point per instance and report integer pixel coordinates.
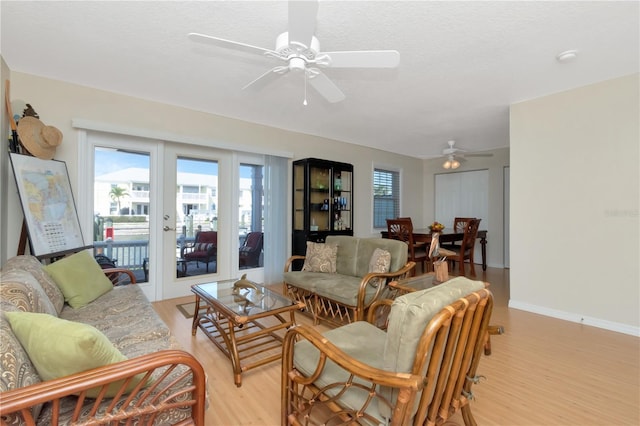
(483, 244)
(232, 346)
(194, 325)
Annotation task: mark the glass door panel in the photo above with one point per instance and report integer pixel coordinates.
(251, 216)
(195, 226)
(196, 216)
(121, 200)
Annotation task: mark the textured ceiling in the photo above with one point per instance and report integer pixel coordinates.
(461, 63)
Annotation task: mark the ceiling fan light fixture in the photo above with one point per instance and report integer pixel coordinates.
(451, 163)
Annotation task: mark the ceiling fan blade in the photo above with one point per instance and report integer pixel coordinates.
(228, 44)
(302, 21)
(325, 87)
(266, 78)
(364, 59)
(478, 155)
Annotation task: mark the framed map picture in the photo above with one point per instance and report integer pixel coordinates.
(48, 205)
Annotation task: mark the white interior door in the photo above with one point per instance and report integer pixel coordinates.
(463, 194)
(193, 202)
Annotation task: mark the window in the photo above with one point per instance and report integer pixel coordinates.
(386, 196)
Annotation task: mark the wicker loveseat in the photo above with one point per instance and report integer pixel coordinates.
(153, 383)
(344, 296)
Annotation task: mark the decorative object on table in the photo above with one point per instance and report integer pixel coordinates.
(438, 256)
(48, 205)
(39, 139)
(243, 282)
(436, 227)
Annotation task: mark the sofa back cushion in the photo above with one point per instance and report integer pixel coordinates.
(354, 254)
(32, 265)
(412, 312)
(23, 290)
(347, 253)
(410, 315)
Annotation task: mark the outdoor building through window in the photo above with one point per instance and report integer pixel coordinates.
(386, 196)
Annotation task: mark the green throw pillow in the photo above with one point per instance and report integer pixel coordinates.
(80, 278)
(59, 348)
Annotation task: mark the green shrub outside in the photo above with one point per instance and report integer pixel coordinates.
(126, 219)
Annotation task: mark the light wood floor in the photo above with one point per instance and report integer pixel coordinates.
(542, 371)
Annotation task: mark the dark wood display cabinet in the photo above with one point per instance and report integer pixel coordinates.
(322, 201)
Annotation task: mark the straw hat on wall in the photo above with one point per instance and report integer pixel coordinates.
(40, 140)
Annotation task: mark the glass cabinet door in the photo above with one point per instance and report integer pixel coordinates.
(319, 199)
(342, 200)
(298, 197)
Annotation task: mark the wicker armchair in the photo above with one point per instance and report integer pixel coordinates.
(419, 371)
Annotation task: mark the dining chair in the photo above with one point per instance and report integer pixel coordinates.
(402, 229)
(459, 224)
(466, 248)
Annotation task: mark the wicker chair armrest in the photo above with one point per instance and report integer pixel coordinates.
(22, 399)
(116, 275)
(287, 264)
(378, 313)
(388, 276)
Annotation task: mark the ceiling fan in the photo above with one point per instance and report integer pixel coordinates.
(454, 155)
(299, 49)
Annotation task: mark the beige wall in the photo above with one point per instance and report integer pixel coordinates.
(495, 222)
(574, 205)
(58, 103)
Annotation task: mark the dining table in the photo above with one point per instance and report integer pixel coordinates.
(448, 236)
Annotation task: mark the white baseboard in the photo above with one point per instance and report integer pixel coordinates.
(581, 319)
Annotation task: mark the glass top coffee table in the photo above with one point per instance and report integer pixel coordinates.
(244, 320)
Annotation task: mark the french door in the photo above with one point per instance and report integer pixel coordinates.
(195, 201)
(147, 199)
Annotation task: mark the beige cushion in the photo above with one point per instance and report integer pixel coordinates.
(359, 340)
(59, 348)
(320, 257)
(380, 262)
(32, 265)
(80, 278)
(24, 291)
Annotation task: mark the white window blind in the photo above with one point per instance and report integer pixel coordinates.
(386, 196)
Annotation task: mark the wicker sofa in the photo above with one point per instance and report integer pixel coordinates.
(344, 296)
(153, 383)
